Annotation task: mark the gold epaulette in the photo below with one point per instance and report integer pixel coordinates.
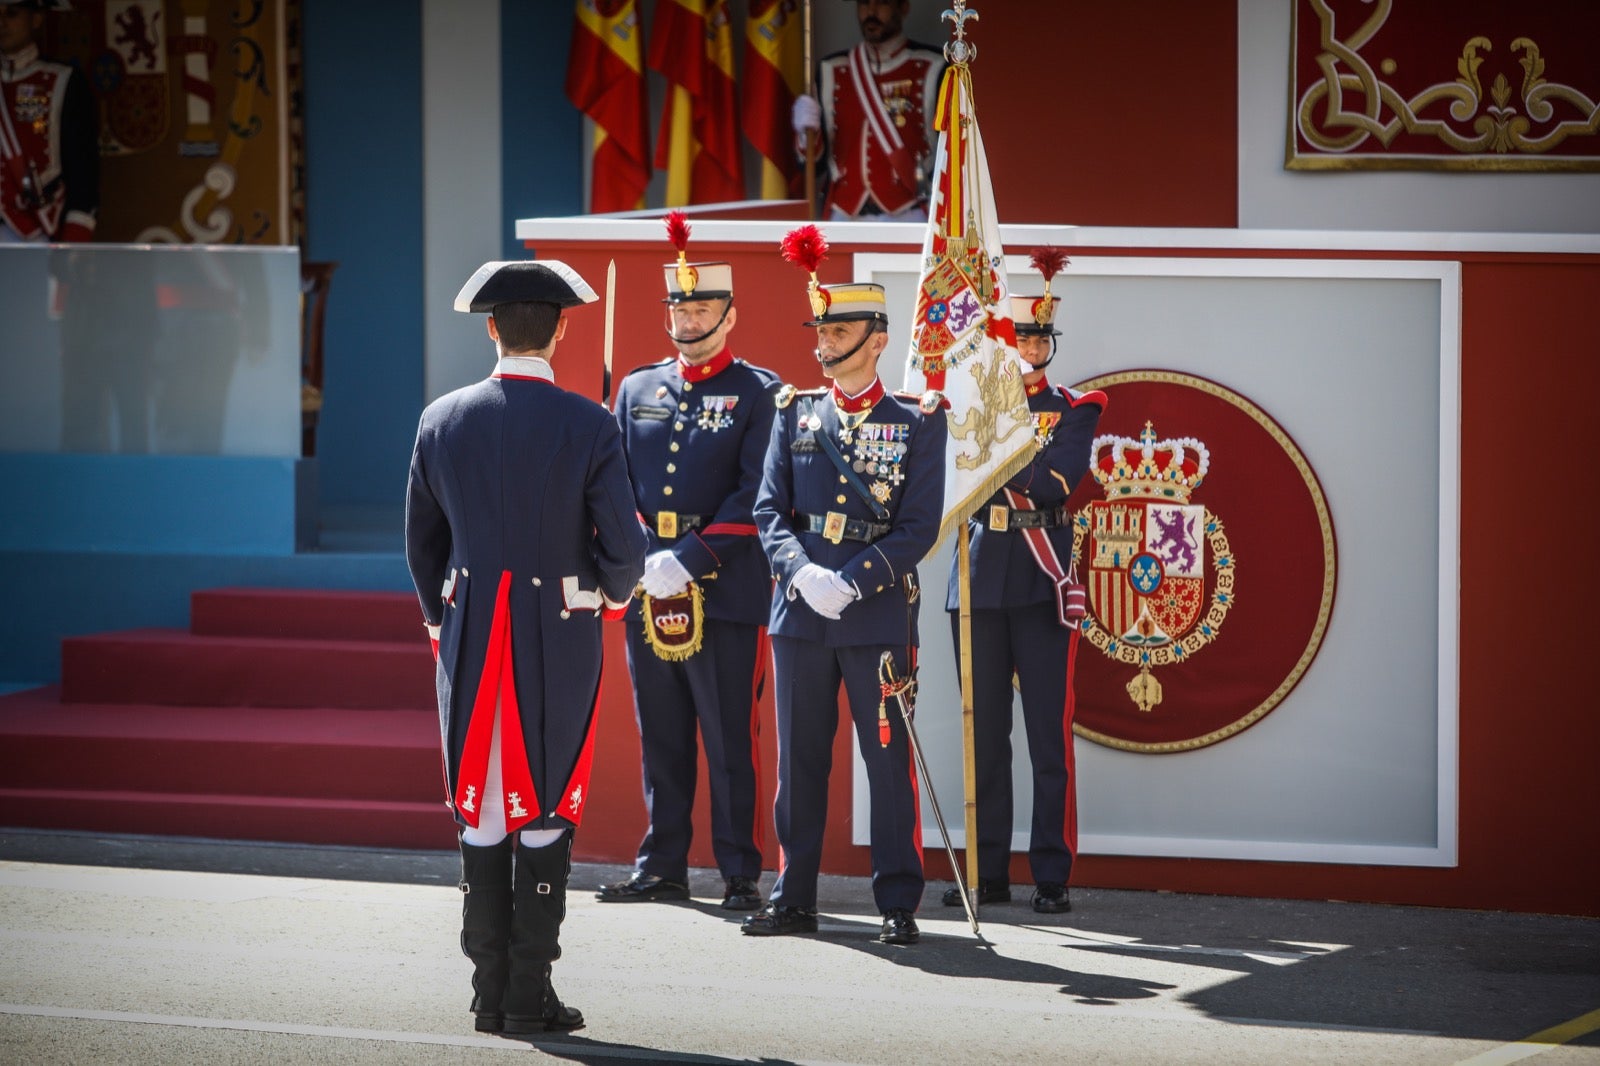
(786, 394)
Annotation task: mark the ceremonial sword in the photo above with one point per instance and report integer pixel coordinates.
(890, 686)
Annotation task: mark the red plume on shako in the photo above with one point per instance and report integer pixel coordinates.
(678, 234)
(806, 247)
(1048, 261)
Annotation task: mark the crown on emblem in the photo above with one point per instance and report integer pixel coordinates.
(673, 623)
(1147, 468)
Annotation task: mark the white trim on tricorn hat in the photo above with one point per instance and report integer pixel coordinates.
(524, 281)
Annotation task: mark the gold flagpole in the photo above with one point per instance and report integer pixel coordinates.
(969, 763)
(811, 138)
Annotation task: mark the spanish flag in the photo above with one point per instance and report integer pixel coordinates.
(691, 44)
(772, 79)
(605, 80)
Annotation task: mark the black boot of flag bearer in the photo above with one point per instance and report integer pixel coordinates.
(539, 903)
(486, 928)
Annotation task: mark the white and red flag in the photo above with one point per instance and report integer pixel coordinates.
(963, 341)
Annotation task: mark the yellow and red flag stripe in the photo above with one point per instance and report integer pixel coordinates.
(773, 77)
(605, 80)
(719, 168)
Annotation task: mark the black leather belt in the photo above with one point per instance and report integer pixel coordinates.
(836, 527)
(1006, 519)
(670, 524)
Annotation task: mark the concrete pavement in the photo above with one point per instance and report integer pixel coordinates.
(140, 950)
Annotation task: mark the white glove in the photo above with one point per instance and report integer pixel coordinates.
(806, 114)
(844, 588)
(820, 588)
(664, 575)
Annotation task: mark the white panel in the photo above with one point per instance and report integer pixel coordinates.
(1359, 362)
(461, 181)
(1270, 196)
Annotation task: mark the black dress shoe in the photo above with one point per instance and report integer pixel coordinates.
(988, 892)
(899, 928)
(777, 920)
(642, 888)
(741, 894)
(1050, 897)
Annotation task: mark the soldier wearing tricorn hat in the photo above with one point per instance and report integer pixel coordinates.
(1024, 617)
(850, 503)
(520, 532)
(694, 429)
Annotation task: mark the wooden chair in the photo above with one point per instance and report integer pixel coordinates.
(314, 281)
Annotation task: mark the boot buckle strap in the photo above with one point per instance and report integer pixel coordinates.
(543, 888)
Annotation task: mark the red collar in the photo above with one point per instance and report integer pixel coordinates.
(854, 405)
(709, 369)
(1042, 385)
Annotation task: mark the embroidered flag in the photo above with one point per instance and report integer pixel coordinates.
(605, 80)
(963, 341)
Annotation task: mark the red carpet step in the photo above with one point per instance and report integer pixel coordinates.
(166, 666)
(296, 716)
(321, 615)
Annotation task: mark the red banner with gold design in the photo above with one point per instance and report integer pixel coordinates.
(1208, 550)
(1445, 85)
(194, 136)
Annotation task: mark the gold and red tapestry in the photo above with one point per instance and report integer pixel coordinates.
(1205, 542)
(1445, 85)
(194, 102)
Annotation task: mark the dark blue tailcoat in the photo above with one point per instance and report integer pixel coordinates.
(519, 477)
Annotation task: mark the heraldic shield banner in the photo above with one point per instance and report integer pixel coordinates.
(1207, 547)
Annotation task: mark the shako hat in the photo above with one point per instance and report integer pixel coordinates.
(693, 281)
(852, 301)
(1036, 315)
(520, 281)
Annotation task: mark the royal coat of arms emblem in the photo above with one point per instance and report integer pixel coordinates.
(1191, 650)
(1144, 547)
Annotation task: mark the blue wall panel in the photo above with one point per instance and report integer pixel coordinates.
(363, 121)
(541, 132)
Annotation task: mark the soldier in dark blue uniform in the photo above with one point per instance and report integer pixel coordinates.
(1022, 622)
(695, 429)
(850, 503)
(520, 530)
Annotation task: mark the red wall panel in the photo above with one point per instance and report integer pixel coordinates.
(1097, 114)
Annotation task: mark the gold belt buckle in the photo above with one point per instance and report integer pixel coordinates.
(833, 527)
(666, 524)
(999, 518)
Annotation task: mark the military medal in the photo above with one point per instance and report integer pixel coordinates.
(1045, 426)
(716, 412)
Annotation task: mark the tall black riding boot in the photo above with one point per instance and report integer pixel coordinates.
(486, 928)
(539, 903)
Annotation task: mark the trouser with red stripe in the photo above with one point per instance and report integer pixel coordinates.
(716, 690)
(1030, 641)
(807, 677)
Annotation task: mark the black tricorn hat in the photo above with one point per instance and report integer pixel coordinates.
(518, 281)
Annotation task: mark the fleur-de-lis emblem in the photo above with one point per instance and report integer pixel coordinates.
(960, 51)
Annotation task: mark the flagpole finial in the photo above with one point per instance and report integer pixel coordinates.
(958, 49)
